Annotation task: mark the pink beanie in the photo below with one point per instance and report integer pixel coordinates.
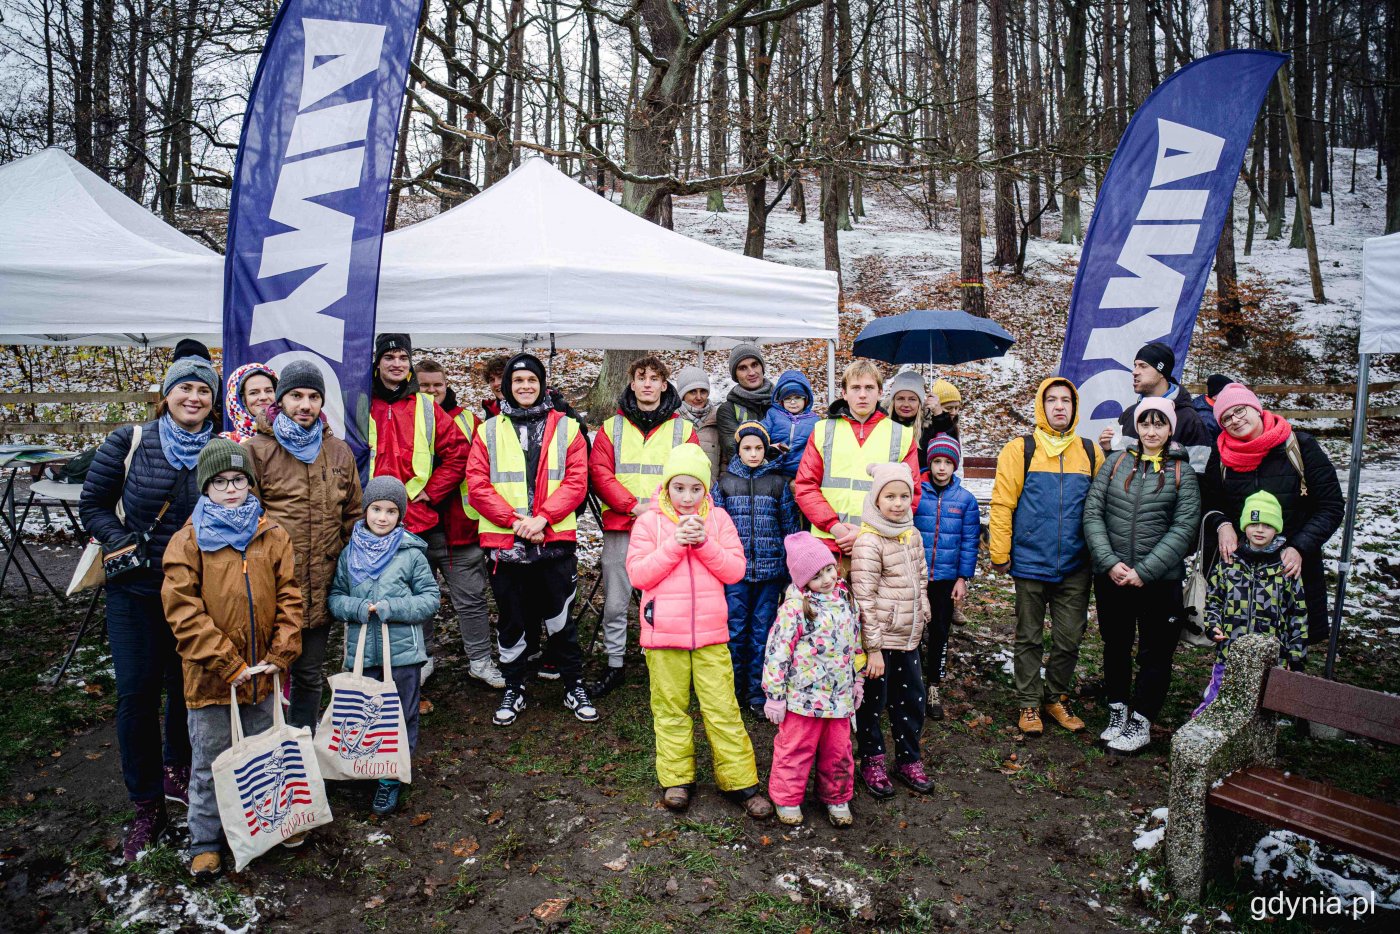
(1233, 395)
(1156, 404)
(806, 556)
(881, 475)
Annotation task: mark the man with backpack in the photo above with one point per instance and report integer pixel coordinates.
(1036, 528)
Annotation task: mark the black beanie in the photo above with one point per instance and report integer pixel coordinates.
(300, 374)
(387, 342)
(189, 347)
(522, 361)
(1160, 357)
(1216, 382)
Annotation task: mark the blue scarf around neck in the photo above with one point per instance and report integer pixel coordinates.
(218, 526)
(369, 554)
(180, 447)
(302, 443)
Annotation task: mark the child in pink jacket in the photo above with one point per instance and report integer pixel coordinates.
(682, 552)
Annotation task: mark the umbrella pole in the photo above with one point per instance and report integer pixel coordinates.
(1358, 437)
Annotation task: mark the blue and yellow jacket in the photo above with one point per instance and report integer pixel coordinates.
(1037, 515)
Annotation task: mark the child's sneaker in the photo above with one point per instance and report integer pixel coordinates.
(789, 815)
(512, 702)
(875, 778)
(912, 774)
(386, 797)
(206, 867)
(577, 700)
(840, 814)
(176, 784)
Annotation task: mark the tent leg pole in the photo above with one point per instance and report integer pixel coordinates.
(831, 371)
(1358, 438)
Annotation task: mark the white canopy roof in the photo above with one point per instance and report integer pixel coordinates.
(1380, 295)
(534, 254)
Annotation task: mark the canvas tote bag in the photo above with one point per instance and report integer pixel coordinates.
(268, 786)
(363, 733)
(1193, 598)
(90, 572)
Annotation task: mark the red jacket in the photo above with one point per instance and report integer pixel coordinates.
(566, 498)
(808, 483)
(459, 529)
(602, 471)
(394, 457)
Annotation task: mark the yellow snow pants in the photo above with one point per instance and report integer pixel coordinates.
(709, 669)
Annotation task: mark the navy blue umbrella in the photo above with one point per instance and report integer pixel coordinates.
(942, 337)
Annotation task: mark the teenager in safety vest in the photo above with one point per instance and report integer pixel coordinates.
(832, 480)
(412, 439)
(625, 467)
(453, 548)
(526, 475)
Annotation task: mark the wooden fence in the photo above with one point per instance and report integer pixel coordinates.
(39, 427)
(1320, 389)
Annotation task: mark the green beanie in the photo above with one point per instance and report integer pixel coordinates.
(221, 454)
(1262, 508)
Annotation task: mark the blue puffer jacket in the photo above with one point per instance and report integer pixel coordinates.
(785, 428)
(150, 481)
(406, 596)
(951, 524)
(760, 502)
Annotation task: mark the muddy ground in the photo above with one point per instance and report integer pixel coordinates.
(560, 819)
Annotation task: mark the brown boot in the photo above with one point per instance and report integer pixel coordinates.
(1030, 722)
(1058, 710)
(206, 867)
(758, 807)
(676, 798)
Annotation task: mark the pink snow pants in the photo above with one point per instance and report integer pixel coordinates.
(802, 740)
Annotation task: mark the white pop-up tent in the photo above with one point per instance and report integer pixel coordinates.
(535, 258)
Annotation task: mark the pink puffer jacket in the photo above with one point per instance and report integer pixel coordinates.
(683, 604)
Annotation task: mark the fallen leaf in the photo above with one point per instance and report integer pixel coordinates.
(495, 817)
(765, 840)
(551, 909)
(93, 756)
(904, 825)
(465, 847)
(374, 903)
(94, 689)
(56, 753)
(617, 865)
(418, 820)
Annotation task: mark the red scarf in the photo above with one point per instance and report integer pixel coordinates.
(1245, 456)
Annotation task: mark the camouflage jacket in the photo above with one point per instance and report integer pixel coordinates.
(1251, 594)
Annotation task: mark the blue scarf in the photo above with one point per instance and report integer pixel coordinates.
(369, 554)
(302, 443)
(181, 447)
(218, 526)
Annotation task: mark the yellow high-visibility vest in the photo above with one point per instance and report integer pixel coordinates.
(424, 441)
(467, 422)
(638, 461)
(508, 468)
(844, 459)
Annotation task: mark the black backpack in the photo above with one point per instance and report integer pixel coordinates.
(1030, 452)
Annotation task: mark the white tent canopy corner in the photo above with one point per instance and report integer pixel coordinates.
(1380, 295)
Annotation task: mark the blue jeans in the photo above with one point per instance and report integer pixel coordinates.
(409, 680)
(753, 605)
(146, 664)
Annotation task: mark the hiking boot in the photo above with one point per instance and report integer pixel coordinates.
(145, 828)
(840, 814)
(1137, 733)
(206, 867)
(612, 679)
(958, 618)
(176, 784)
(1030, 722)
(758, 807)
(792, 816)
(426, 671)
(512, 702)
(548, 672)
(1117, 718)
(295, 840)
(935, 703)
(1059, 712)
(386, 797)
(913, 775)
(875, 778)
(577, 700)
(677, 798)
(485, 670)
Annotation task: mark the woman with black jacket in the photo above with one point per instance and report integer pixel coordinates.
(155, 497)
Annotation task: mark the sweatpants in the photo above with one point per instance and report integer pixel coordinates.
(803, 741)
(308, 678)
(1145, 615)
(211, 734)
(674, 672)
(463, 569)
(940, 600)
(1068, 603)
(901, 691)
(753, 605)
(617, 595)
(528, 595)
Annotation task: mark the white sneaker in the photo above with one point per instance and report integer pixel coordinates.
(484, 669)
(840, 814)
(427, 671)
(1137, 733)
(1117, 718)
(512, 703)
(789, 815)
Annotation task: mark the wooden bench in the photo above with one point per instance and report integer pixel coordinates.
(1225, 777)
(979, 468)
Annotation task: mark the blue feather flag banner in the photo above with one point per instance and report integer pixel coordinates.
(1160, 211)
(306, 221)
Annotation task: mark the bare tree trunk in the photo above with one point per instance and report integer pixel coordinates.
(1142, 42)
(1227, 293)
(974, 294)
(719, 112)
(1074, 126)
(1003, 211)
(1391, 142)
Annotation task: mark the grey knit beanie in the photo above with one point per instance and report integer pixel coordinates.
(300, 374)
(907, 380)
(387, 488)
(742, 352)
(691, 377)
(188, 369)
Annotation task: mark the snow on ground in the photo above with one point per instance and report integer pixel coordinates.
(1283, 859)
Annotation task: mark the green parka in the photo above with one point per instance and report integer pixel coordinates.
(1146, 518)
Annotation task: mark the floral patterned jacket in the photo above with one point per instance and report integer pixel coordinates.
(813, 664)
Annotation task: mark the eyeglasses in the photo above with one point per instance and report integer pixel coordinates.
(239, 482)
(1237, 414)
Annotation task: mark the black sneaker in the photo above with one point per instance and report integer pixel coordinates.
(613, 678)
(548, 672)
(512, 702)
(577, 700)
(386, 797)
